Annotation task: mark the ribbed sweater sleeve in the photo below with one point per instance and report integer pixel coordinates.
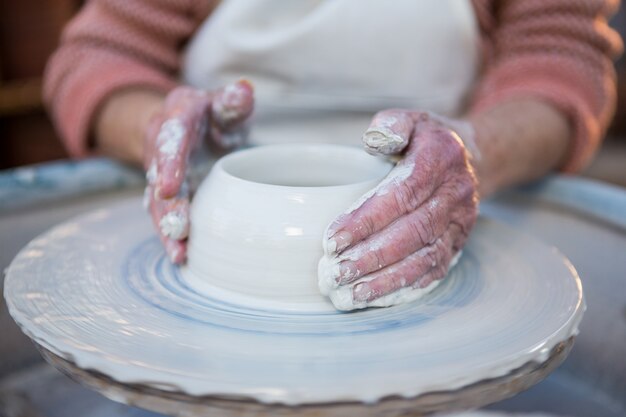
(112, 45)
(559, 51)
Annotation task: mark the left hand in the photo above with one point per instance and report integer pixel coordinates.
(408, 229)
(187, 119)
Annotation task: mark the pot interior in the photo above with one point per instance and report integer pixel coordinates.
(305, 165)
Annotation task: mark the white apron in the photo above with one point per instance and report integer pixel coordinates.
(322, 68)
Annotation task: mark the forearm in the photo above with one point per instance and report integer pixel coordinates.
(519, 141)
(119, 127)
(112, 46)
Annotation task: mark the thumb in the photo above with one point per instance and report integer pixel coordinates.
(389, 133)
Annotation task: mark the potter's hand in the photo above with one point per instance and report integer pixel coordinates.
(406, 231)
(187, 117)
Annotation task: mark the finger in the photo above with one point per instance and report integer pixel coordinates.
(232, 105)
(432, 154)
(176, 250)
(453, 208)
(400, 239)
(174, 221)
(389, 133)
(171, 219)
(183, 120)
(172, 152)
(402, 191)
(152, 131)
(226, 140)
(363, 294)
(416, 271)
(171, 216)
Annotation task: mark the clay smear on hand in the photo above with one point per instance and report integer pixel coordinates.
(170, 138)
(389, 133)
(337, 240)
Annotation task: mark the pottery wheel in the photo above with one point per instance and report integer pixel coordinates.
(99, 295)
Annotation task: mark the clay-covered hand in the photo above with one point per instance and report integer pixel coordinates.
(406, 231)
(187, 118)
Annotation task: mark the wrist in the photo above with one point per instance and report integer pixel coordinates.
(487, 174)
(519, 140)
(120, 125)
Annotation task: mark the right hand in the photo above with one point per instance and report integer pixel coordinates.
(187, 118)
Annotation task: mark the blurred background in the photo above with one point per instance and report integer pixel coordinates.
(29, 32)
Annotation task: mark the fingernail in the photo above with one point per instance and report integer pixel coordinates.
(243, 82)
(175, 252)
(176, 257)
(361, 292)
(339, 242)
(173, 255)
(157, 193)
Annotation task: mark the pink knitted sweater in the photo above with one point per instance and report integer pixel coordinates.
(559, 51)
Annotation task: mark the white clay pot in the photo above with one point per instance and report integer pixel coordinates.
(258, 219)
